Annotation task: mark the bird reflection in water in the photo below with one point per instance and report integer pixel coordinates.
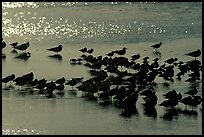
(156, 54)
(24, 56)
(56, 56)
(150, 111)
(3, 55)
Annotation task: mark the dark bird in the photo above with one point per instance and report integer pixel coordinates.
(60, 81)
(56, 49)
(5, 80)
(71, 82)
(156, 46)
(60, 87)
(14, 44)
(171, 60)
(192, 92)
(23, 46)
(195, 54)
(90, 51)
(169, 103)
(83, 50)
(121, 52)
(11, 77)
(135, 57)
(110, 54)
(3, 44)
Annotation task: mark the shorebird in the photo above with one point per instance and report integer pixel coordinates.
(60, 87)
(23, 46)
(110, 54)
(90, 51)
(3, 44)
(14, 44)
(156, 46)
(195, 54)
(5, 80)
(11, 78)
(192, 92)
(71, 82)
(169, 103)
(121, 52)
(56, 49)
(83, 50)
(135, 57)
(60, 81)
(171, 60)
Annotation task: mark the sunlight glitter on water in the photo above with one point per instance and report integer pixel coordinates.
(24, 131)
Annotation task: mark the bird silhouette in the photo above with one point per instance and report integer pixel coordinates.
(195, 54)
(71, 82)
(110, 54)
(14, 44)
(3, 44)
(90, 51)
(60, 81)
(156, 46)
(56, 49)
(192, 92)
(83, 50)
(23, 46)
(135, 57)
(5, 80)
(121, 52)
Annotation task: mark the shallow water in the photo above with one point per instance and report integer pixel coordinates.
(104, 27)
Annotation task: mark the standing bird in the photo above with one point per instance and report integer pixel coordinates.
(192, 92)
(195, 54)
(23, 46)
(56, 49)
(121, 52)
(14, 44)
(83, 50)
(110, 54)
(135, 57)
(156, 46)
(3, 44)
(90, 51)
(11, 78)
(5, 80)
(60, 81)
(72, 82)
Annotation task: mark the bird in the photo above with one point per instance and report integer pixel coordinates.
(192, 92)
(3, 44)
(171, 60)
(56, 49)
(60, 87)
(60, 81)
(169, 103)
(5, 80)
(90, 51)
(11, 77)
(156, 46)
(83, 50)
(121, 52)
(14, 44)
(23, 46)
(71, 82)
(110, 54)
(135, 57)
(195, 53)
